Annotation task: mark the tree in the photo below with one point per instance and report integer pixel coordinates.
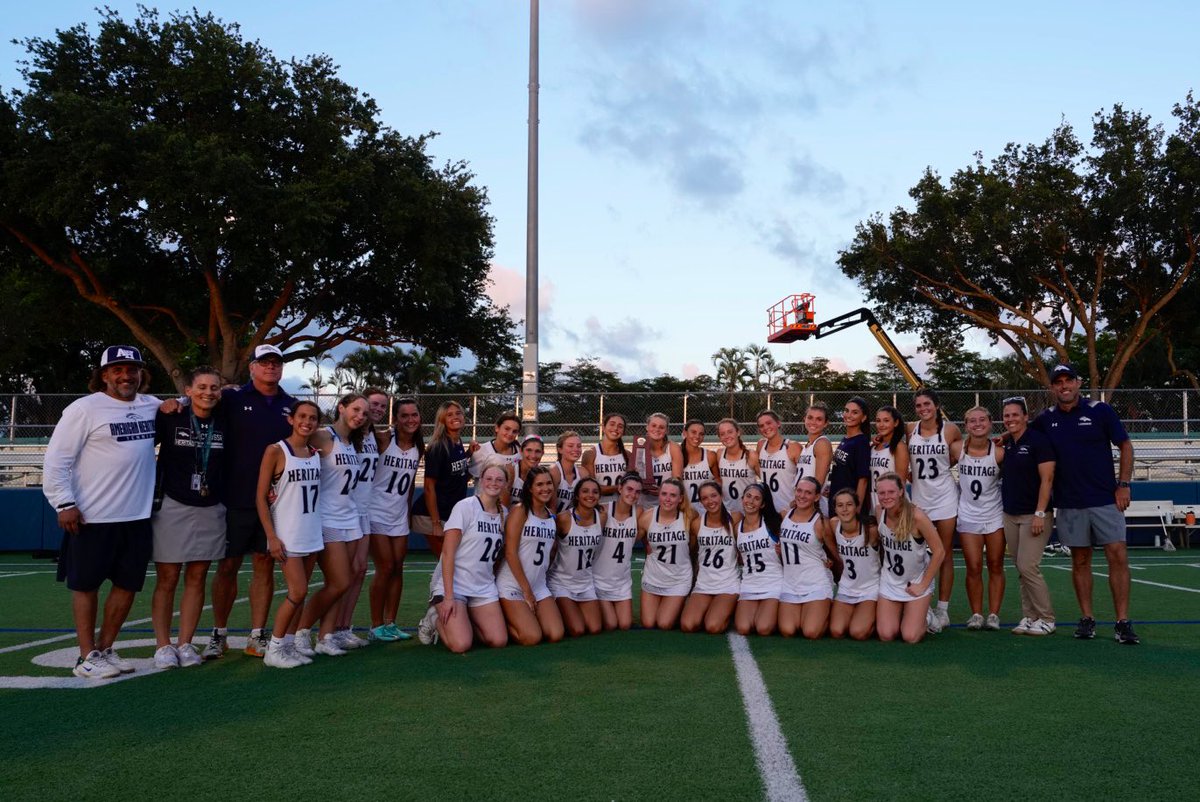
(756, 355)
(200, 190)
(1045, 242)
(732, 374)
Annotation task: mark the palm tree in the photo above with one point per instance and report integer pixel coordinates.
(758, 354)
(773, 374)
(365, 367)
(731, 371)
(317, 381)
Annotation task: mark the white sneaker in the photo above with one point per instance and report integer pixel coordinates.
(943, 617)
(348, 640)
(932, 626)
(328, 645)
(1040, 627)
(992, 623)
(114, 660)
(427, 628)
(303, 642)
(1022, 627)
(291, 649)
(94, 666)
(166, 657)
(188, 656)
(975, 621)
(216, 647)
(278, 657)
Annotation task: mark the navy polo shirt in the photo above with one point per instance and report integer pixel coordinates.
(253, 421)
(1019, 478)
(851, 462)
(1083, 438)
(446, 464)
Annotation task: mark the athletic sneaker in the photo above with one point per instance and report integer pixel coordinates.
(257, 647)
(1041, 627)
(114, 660)
(975, 621)
(291, 649)
(94, 666)
(303, 642)
(276, 656)
(1022, 627)
(215, 649)
(932, 626)
(943, 618)
(1086, 630)
(397, 632)
(329, 646)
(188, 656)
(166, 657)
(1125, 634)
(427, 629)
(347, 640)
(381, 633)
(993, 622)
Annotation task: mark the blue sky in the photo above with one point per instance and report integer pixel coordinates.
(701, 160)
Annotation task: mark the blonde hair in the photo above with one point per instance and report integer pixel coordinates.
(564, 437)
(905, 524)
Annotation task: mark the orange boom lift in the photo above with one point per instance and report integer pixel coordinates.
(794, 318)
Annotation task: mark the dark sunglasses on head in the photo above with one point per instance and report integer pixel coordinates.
(1016, 399)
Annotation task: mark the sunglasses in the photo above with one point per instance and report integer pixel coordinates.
(1016, 399)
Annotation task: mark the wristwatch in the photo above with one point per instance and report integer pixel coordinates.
(1039, 514)
(1125, 485)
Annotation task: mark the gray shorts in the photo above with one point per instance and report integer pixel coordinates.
(1090, 526)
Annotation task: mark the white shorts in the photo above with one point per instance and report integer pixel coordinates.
(576, 594)
(758, 594)
(892, 593)
(333, 534)
(364, 523)
(300, 554)
(858, 597)
(816, 594)
(968, 527)
(512, 591)
(615, 592)
(397, 530)
(944, 511)
(477, 601)
(716, 590)
(658, 590)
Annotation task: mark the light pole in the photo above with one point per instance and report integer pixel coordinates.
(529, 374)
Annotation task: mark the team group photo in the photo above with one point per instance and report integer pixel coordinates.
(372, 424)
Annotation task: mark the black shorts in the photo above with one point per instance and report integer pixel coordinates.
(243, 533)
(119, 552)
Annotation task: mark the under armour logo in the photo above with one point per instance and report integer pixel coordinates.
(248, 409)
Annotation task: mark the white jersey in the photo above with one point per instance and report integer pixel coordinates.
(807, 464)
(904, 562)
(392, 492)
(762, 571)
(534, 550)
(668, 570)
(487, 453)
(518, 483)
(694, 475)
(716, 558)
(933, 488)
(779, 474)
(609, 467)
(571, 572)
(294, 512)
(481, 545)
(339, 473)
(661, 466)
(883, 461)
(614, 557)
(368, 464)
(566, 486)
(101, 458)
(805, 577)
(980, 508)
(735, 476)
(860, 575)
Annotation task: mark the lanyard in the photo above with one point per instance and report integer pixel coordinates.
(201, 452)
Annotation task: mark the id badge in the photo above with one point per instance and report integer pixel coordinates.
(196, 482)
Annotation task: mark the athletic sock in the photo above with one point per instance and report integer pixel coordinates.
(222, 631)
(256, 633)
(288, 640)
(943, 605)
(276, 642)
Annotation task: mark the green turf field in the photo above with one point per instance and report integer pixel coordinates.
(636, 715)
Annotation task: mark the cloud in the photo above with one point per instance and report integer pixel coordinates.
(781, 238)
(689, 370)
(625, 346)
(507, 289)
(808, 178)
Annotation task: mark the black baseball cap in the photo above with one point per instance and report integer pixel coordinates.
(121, 355)
(1065, 369)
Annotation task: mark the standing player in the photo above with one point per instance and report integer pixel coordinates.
(1091, 502)
(889, 451)
(608, 460)
(446, 470)
(853, 609)
(613, 563)
(933, 488)
(852, 460)
(570, 578)
(738, 465)
(391, 512)
(981, 516)
(529, 537)
(670, 530)
(912, 552)
(762, 571)
(501, 448)
(566, 470)
(99, 475)
(811, 564)
(778, 460)
(816, 453)
(711, 603)
(289, 482)
(466, 603)
(256, 416)
(189, 527)
(532, 451)
(666, 458)
(699, 464)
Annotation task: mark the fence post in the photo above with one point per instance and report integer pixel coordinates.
(895, 400)
(12, 419)
(601, 421)
(976, 398)
(1185, 414)
(474, 416)
(685, 405)
(768, 399)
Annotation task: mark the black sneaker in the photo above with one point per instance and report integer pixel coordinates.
(1125, 633)
(1086, 629)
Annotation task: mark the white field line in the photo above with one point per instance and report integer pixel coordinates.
(775, 762)
(1131, 579)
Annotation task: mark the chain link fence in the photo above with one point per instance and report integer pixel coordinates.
(1163, 423)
